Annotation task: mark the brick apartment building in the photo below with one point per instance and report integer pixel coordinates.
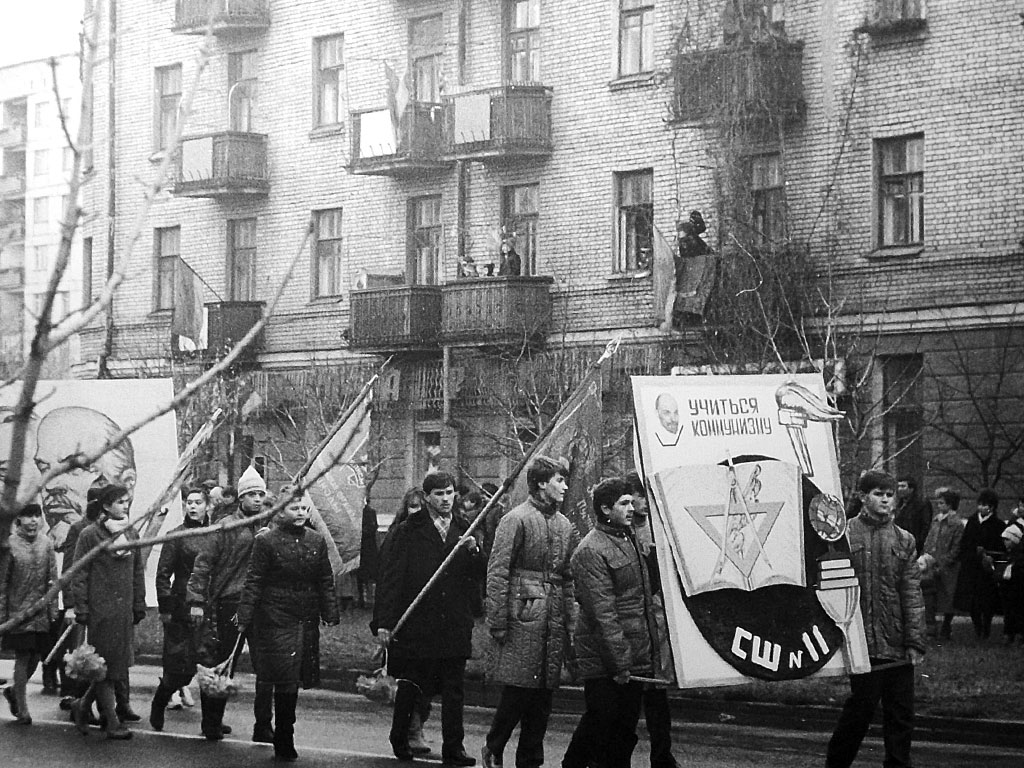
(35, 165)
(875, 145)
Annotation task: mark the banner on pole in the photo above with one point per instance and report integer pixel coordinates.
(340, 493)
(747, 512)
(575, 438)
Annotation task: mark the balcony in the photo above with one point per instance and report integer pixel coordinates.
(230, 17)
(227, 323)
(496, 310)
(750, 83)
(12, 279)
(12, 232)
(414, 151)
(12, 185)
(13, 135)
(499, 124)
(226, 164)
(406, 317)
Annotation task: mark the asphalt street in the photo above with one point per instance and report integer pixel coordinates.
(340, 729)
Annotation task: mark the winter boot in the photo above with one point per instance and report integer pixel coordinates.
(405, 705)
(212, 716)
(108, 707)
(285, 699)
(417, 744)
(156, 709)
(263, 710)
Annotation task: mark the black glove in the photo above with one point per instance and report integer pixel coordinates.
(82, 618)
(138, 616)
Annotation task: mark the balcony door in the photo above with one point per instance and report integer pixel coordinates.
(426, 240)
(242, 260)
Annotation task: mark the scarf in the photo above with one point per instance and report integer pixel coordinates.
(29, 537)
(117, 528)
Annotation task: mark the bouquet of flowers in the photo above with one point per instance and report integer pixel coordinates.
(218, 682)
(85, 664)
(378, 686)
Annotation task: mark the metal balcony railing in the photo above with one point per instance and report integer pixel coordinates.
(403, 317)
(222, 164)
(12, 185)
(511, 121)
(749, 82)
(491, 310)
(380, 147)
(192, 17)
(12, 279)
(13, 135)
(227, 323)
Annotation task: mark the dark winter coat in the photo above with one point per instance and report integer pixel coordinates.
(368, 554)
(530, 596)
(441, 627)
(884, 557)
(289, 590)
(110, 589)
(173, 570)
(27, 570)
(977, 588)
(614, 629)
(219, 570)
(915, 517)
(943, 544)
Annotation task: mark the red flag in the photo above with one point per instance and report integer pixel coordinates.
(575, 438)
(187, 319)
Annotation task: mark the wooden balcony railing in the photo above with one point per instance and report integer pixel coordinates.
(403, 317)
(496, 310)
(512, 121)
(191, 17)
(12, 279)
(13, 135)
(750, 82)
(12, 185)
(222, 165)
(415, 148)
(227, 323)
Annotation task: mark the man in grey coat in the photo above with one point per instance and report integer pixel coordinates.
(529, 605)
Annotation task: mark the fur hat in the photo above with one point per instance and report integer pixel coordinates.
(250, 481)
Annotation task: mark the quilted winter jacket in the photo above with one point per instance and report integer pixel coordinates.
(885, 559)
(27, 570)
(530, 596)
(614, 627)
(219, 568)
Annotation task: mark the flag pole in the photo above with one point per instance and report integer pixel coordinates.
(610, 349)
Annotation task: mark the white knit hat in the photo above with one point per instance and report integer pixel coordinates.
(250, 481)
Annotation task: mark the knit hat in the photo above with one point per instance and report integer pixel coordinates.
(1013, 533)
(250, 481)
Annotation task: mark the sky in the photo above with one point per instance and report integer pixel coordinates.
(36, 29)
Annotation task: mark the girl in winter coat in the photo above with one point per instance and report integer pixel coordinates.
(172, 573)
(110, 597)
(289, 590)
(27, 570)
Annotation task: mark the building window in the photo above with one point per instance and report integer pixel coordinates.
(901, 190)
(426, 51)
(634, 203)
(330, 75)
(68, 160)
(327, 274)
(41, 162)
(898, 10)
(425, 240)
(86, 271)
(41, 258)
(39, 114)
(768, 198)
(636, 36)
(428, 451)
(168, 250)
(242, 260)
(168, 100)
(903, 422)
(241, 90)
(524, 41)
(519, 216)
(41, 215)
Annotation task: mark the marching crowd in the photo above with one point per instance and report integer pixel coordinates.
(555, 606)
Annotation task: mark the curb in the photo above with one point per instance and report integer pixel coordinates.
(692, 710)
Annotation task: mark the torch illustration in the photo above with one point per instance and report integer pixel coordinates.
(797, 406)
(838, 589)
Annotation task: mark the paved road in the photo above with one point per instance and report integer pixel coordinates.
(340, 730)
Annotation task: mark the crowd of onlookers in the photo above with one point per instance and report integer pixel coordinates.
(970, 564)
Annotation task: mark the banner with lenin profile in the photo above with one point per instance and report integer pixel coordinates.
(749, 524)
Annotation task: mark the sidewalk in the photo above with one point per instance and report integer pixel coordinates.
(686, 709)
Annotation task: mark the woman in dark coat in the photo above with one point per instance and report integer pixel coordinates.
(289, 590)
(110, 598)
(180, 642)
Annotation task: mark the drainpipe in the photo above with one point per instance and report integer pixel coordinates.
(103, 372)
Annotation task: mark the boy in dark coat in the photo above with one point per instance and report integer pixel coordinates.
(428, 653)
